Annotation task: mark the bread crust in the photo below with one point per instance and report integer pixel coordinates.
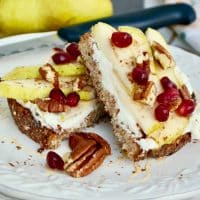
(46, 137)
(127, 143)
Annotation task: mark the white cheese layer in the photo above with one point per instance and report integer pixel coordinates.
(72, 119)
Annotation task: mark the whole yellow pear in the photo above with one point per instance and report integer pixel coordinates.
(23, 16)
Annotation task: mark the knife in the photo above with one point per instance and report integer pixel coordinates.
(155, 17)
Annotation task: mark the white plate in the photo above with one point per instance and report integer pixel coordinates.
(175, 177)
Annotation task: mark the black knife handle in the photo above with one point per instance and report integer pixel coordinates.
(155, 17)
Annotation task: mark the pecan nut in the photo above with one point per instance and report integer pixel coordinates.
(88, 153)
(185, 94)
(162, 56)
(145, 94)
(50, 105)
(49, 74)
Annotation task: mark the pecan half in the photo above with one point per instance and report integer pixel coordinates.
(88, 153)
(145, 93)
(162, 56)
(82, 82)
(143, 61)
(49, 74)
(185, 94)
(50, 105)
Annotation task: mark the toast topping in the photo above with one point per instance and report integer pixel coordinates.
(140, 75)
(72, 99)
(162, 56)
(57, 95)
(186, 107)
(170, 97)
(73, 50)
(185, 94)
(51, 105)
(70, 55)
(167, 83)
(49, 74)
(62, 58)
(145, 93)
(121, 39)
(162, 113)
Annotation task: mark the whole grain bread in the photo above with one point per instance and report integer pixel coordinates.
(127, 143)
(46, 137)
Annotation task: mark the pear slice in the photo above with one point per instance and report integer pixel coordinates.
(21, 73)
(86, 95)
(141, 40)
(160, 49)
(153, 35)
(31, 89)
(28, 89)
(169, 130)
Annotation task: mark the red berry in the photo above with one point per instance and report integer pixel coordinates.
(72, 99)
(140, 75)
(162, 113)
(167, 83)
(54, 161)
(62, 58)
(186, 107)
(121, 39)
(168, 96)
(58, 49)
(73, 50)
(57, 95)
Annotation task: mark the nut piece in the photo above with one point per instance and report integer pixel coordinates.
(49, 74)
(145, 94)
(88, 152)
(175, 104)
(143, 61)
(162, 56)
(185, 94)
(81, 82)
(50, 105)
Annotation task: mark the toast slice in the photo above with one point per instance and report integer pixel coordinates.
(51, 101)
(131, 105)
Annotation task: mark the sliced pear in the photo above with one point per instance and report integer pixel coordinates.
(154, 35)
(70, 69)
(21, 73)
(27, 89)
(31, 89)
(86, 95)
(160, 49)
(169, 130)
(142, 41)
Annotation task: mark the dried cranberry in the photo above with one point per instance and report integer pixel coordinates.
(121, 39)
(186, 107)
(54, 161)
(58, 49)
(170, 95)
(62, 58)
(140, 75)
(162, 113)
(73, 50)
(72, 99)
(167, 83)
(57, 95)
